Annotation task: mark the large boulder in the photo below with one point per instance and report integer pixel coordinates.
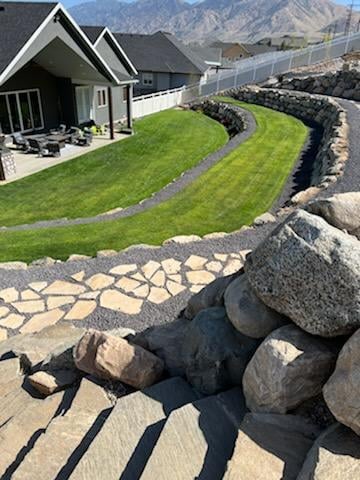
(215, 354)
(272, 447)
(249, 315)
(341, 211)
(210, 296)
(309, 271)
(114, 358)
(341, 392)
(335, 455)
(289, 367)
(165, 342)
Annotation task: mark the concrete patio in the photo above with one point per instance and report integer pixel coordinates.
(30, 163)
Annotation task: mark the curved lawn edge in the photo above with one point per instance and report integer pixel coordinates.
(166, 193)
(120, 174)
(220, 200)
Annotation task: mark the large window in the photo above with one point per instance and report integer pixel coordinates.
(148, 79)
(20, 111)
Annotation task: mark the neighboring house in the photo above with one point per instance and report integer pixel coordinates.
(50, 73)
(211, 56)
(115, 57)
(233, 52)
(289, 41)
(162, 61)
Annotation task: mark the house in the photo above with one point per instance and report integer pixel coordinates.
(211, 56)
(162, 61)
(106, 45)
(233, 52)
(50, 72)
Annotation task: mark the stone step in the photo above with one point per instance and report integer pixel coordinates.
(128, 436)
(58, 450)
(198, 439)
(15, 401)
(20, 432)
(10, 376)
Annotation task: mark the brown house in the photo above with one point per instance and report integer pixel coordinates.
(232, 51)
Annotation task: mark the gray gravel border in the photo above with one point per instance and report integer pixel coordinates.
(162, 195)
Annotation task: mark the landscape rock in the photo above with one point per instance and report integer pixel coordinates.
(302, 257)
(249, 315)
(210, 296)
(165, 342)
(335, 455)
(271, 446)
(289, 367)
(341, 392)
(114, 358)
(215, 354)
(342, 211)
(48, 383)
(263, 219)
(49, 349)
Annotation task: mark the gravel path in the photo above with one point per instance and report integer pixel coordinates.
(162, 195)
(166, 276)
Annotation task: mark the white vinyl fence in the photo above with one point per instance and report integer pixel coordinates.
(253, 70)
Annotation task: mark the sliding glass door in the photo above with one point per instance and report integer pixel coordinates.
(20, 111)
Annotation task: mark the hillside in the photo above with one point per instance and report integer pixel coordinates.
(225, 19)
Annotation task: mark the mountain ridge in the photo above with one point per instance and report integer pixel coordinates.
(235, 20)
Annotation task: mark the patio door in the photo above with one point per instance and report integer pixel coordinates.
(20, 111)
(84, 103)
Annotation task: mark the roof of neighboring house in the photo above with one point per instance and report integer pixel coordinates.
(19, 21)
(225, 45)
(160, 52)
(211, 56)
(93, 33)
(256, 49)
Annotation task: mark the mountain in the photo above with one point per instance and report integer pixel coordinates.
(225, 19)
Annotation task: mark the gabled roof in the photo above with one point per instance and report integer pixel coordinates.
(21, 23)
(18, 22)
(211, 56)
(93, 33)
(256, 49)
(160, 52)
(96, 33)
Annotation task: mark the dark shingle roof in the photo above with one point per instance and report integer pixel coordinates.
(93, 33)
(160, 52)
(255, 49)
(18, 22)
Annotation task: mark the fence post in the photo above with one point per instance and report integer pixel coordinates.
(236, 77)
(218, 83)
(347, 43)
(272, 68)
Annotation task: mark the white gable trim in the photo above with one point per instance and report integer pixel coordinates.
(107, 31)
(37, 33)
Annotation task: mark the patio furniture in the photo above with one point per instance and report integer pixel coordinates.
(54, 149)
(20, 141)
(73, 134)
(59, 131)
(86, 139)
(38, 145)
(58, 138)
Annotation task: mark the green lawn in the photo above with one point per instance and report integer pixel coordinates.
(118, 175)
(231, 194)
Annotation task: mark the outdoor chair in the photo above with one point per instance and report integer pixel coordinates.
(38, 145)
(20, 141)
(86, 139)
(59, 131)
(53, 149)
(73, 134)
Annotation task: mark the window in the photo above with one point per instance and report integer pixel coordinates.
(102, 97)
(20, 111)
(148, 79)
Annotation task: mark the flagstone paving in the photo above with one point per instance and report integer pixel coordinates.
(123, 288)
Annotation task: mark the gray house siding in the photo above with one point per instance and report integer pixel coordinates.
(164, 81)
(35, 77)
(101, 114)
(110, 57)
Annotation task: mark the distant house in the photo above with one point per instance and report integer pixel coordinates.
(162, 61)
(211, 56)
(289, 41)
(234, 52)
(50, 72)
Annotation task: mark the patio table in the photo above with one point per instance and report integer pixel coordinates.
(60, 139)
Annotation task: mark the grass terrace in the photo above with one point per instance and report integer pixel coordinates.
(244, 184)
(118, 175)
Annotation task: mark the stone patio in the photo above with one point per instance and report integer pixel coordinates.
(30, 163)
